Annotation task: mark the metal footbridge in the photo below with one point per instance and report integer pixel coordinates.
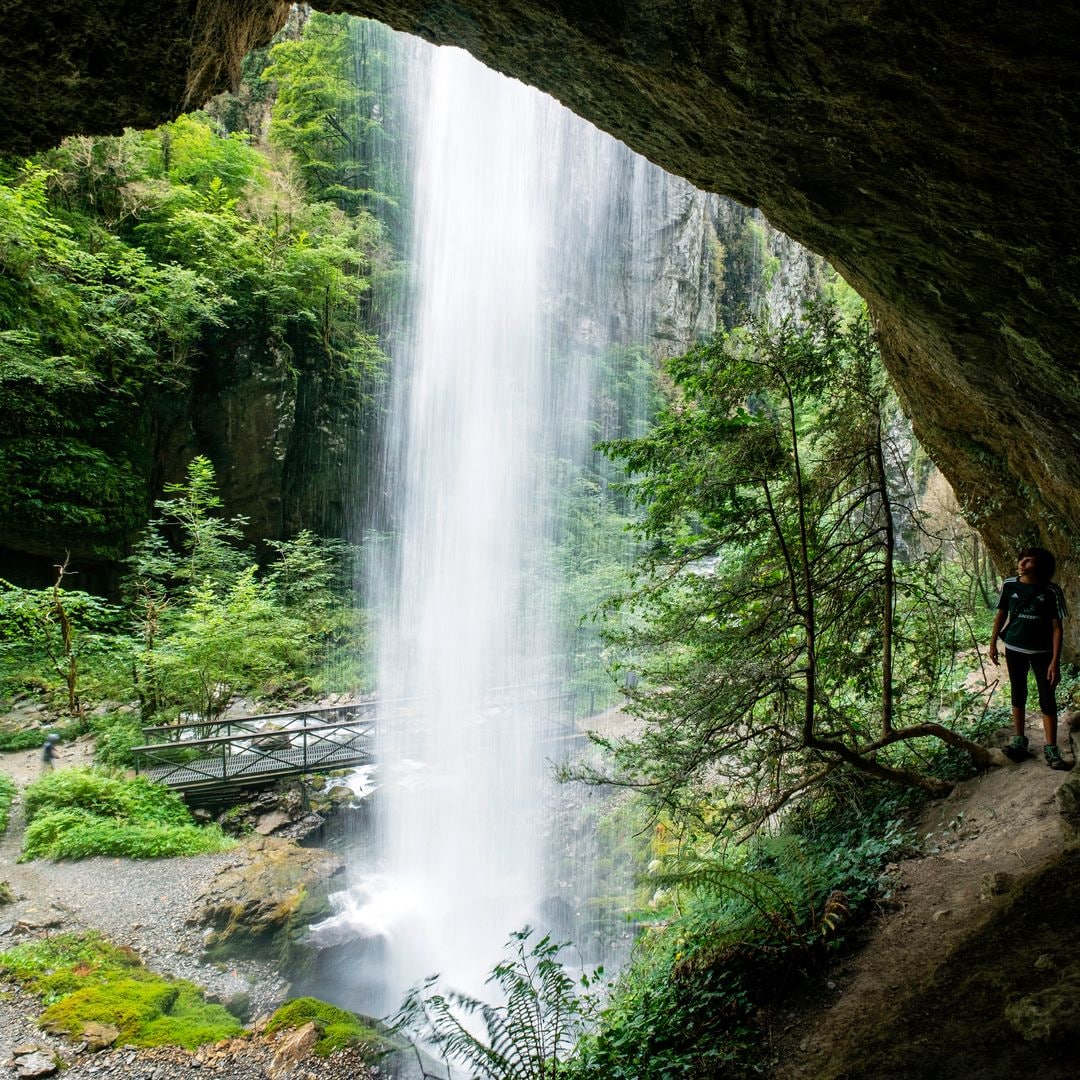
(209, 762)
(214, 762)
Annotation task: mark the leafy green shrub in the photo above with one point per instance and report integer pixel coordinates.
(7, 797)
(83, 978)
(33, 652)
(47, 830)
(338, 1028)
(103, 794)
(115, 736)
(76, 813)
(81, 839)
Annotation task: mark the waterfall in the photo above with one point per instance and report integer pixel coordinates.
(537, 252)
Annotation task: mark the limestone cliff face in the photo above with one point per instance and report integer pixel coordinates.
(293, 449)
(285, 437)
(928, 150)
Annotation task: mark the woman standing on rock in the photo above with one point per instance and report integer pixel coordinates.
(1029, 615)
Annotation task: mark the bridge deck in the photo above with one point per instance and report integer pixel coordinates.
(242, 768)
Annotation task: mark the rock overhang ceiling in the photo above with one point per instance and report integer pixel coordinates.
(928, 150)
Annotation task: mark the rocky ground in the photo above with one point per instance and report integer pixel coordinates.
(985, 850)
(988, 849)
(158, 907)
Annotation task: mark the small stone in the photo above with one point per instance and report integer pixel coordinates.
(99, 1036)
(292, 1050)
(994, 884)
(34, 1065)
(943, 913)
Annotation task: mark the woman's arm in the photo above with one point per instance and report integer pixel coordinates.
(1053, 672)
(999, 619)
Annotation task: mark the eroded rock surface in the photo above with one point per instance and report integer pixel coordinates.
(263, 905)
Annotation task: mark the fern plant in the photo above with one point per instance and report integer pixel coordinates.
(525, 1038)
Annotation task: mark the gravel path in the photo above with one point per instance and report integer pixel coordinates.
(145, 904)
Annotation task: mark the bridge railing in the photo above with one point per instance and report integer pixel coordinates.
(188, 731)
(250, 754)
(306, 740)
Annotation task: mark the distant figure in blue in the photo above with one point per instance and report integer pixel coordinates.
(48, 753)
(1028, 620)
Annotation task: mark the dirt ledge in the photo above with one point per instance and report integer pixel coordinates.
(972, 972)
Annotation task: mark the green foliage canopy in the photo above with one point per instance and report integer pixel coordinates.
(778, 632)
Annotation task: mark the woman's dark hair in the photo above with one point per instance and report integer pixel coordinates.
(1045, 563)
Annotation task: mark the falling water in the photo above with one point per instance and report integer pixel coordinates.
(535, 239)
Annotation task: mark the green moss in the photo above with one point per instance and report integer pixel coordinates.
(338, 1029)
(62, 963)
(129, 1004)
(191, 1021)
(82, 978)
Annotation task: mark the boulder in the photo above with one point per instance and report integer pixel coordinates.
(263, 906)
(270, 823)
(1048, 1016)
(292, 1050)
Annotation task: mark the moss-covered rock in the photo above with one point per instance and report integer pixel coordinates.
(263, 906)
(337, 1028)
(101, 993)
(127, 1003)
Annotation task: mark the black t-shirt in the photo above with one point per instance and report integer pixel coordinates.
(1032, 609)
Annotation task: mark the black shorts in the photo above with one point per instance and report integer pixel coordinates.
(1018, 664)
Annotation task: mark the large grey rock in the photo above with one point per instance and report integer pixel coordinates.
(36, 1064)
(263, 906)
